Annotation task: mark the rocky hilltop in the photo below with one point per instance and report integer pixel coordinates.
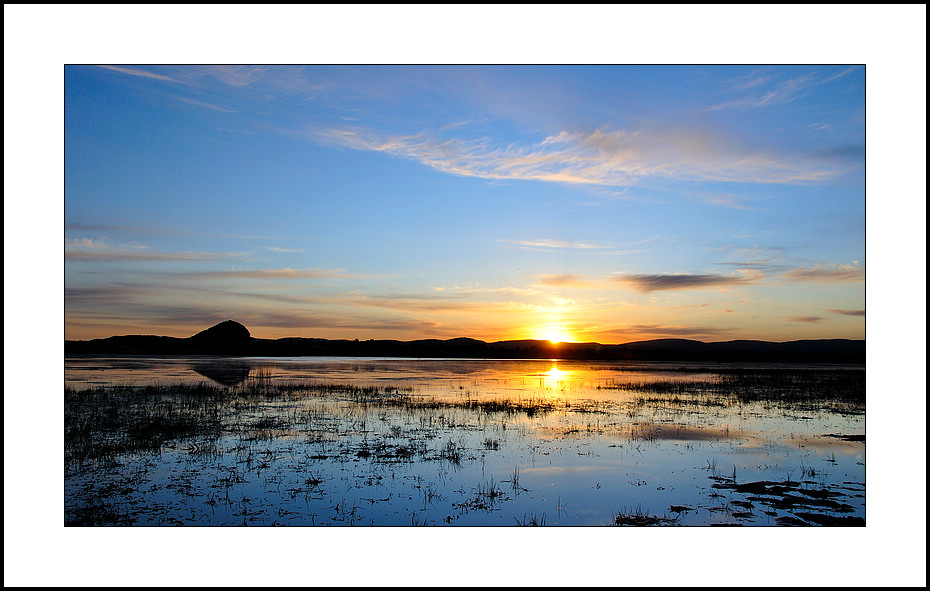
(227, 337)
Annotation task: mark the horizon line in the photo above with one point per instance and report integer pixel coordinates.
(491, 342)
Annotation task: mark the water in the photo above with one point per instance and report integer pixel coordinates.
(480, 442)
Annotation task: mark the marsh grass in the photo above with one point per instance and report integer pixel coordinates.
(532, 520)
(837, 390)
(638, 517)
(451, 452)
(101, 423)
(515, 481)
(98, 513)
(302, 443)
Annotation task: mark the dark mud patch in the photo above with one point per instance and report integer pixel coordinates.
(793, 502)
(847, 437)
(833, 520)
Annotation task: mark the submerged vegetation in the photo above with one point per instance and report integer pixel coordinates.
(753, 385)
(270, 452)
(101, 423)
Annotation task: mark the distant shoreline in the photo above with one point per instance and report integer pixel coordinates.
(230, 338)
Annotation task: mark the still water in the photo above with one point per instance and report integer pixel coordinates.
(474, 443)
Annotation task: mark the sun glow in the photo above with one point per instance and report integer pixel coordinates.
(556, 374)
(555, 333)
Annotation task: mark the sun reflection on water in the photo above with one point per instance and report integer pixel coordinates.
(555, 378)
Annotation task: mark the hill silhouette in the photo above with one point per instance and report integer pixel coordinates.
(230, 338)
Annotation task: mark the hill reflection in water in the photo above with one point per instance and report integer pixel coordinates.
(225, 373)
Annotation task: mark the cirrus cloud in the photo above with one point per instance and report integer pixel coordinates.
(847, 312)
(827, 273)
(806, 319)
(599, 157)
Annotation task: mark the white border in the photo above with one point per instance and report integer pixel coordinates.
(890, 40)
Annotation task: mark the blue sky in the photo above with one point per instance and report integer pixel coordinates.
(592, 203)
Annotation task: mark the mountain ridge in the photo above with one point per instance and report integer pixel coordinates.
(234, 339)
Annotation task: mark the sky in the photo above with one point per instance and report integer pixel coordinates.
(607, 203)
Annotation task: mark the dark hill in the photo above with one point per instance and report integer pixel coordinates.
(230, 329)
(228, 338)
(233, 339)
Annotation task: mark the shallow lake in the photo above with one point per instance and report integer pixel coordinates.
(353, 441)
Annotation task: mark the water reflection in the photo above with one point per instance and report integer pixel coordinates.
(555, 378)
(465, 442)
(227, 373)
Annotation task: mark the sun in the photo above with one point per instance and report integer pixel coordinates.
(556, 334)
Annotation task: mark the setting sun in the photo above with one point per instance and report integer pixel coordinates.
(555, 333)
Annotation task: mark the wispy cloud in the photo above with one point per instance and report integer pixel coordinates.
(827, 273)
(279, 249)
(285, 273)
(724, 200)
(106, 295)
(749, 81)
(546, 244)
(848, 70)
(599, 157)
(118, 256)
(267, 81)
(415, 303)
(567, 281)
(85, 243)
(847, 312)
(505, 290)
(674, 331)
(137, 72)
(98, 227)
(102, 250)
(158, 289)
(679, 281)
(784, 92)
(234, 75)
(204, 105)
(329, 321)
(766, 260)
(806, 319)
(766, 91)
